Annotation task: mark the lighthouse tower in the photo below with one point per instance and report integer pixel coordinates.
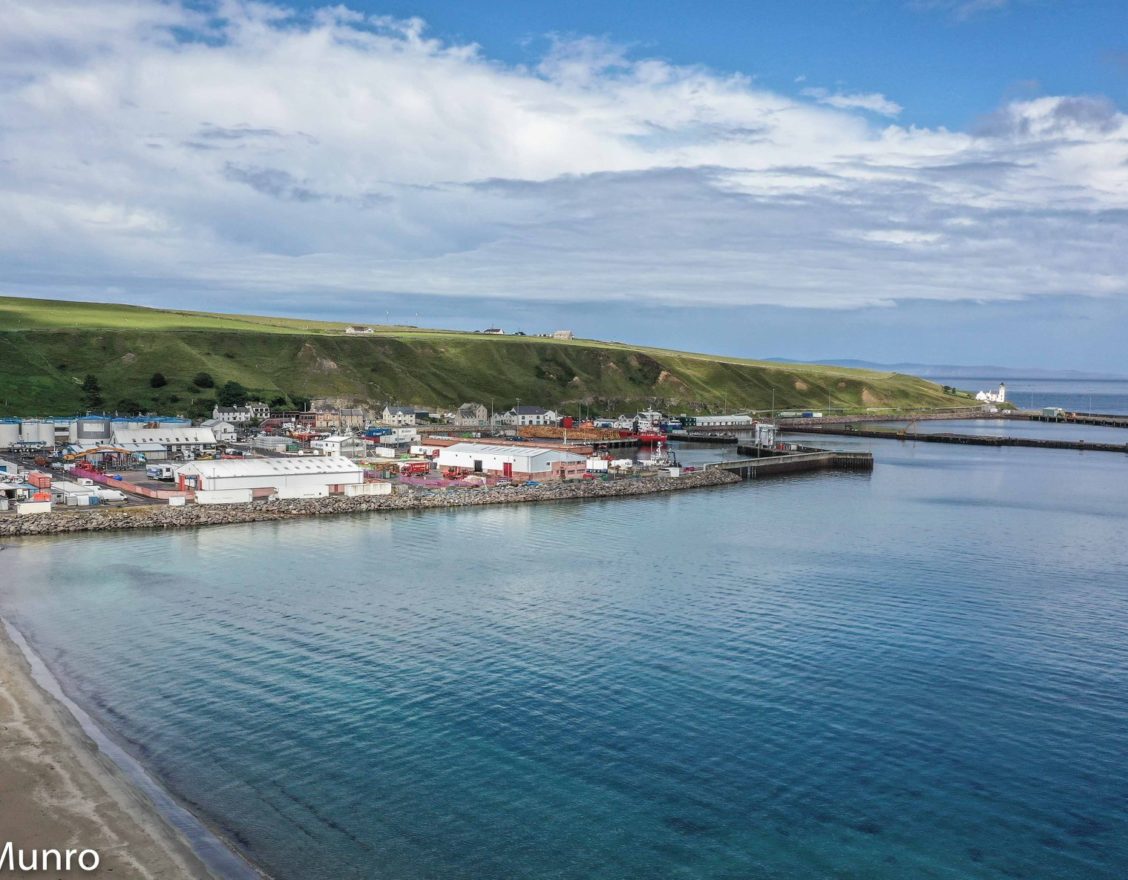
(1002, 398)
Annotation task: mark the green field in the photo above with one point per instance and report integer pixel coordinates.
(47, 347)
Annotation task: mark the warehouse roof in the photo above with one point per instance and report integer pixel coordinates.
(256, 467)
(494, 449)
(166, 434)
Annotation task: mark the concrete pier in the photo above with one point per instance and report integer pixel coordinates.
(968, 439)
(796, 462)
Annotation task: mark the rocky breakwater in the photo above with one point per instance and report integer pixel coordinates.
(191, 516)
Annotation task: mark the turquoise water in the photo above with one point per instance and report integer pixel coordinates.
(922, 672)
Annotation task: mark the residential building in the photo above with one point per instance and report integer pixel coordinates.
(254, 410)
(472, 415)
(358, 330)
(519, 462)
(523, 416)
(563, 334)
(398, 415)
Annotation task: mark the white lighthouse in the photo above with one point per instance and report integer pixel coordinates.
(992, 396)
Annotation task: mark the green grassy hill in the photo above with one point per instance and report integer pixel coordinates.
(47, 348)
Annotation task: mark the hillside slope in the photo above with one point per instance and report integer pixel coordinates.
(47, 348)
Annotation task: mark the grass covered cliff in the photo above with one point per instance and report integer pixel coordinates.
(48, 348)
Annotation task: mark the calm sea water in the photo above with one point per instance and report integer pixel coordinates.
(1016, 428)
(1089, 395)
(921, 673)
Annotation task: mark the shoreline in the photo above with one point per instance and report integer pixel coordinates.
(65, 784)
(194, 516)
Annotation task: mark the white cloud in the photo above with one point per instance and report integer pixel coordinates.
(871, 101)
(248, 149)
(961, 10)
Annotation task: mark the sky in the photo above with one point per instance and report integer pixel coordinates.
(939, 181)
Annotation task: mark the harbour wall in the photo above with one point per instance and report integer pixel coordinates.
(162, 517)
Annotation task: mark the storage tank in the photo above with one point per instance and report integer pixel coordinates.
(40, 431)
(9, 433)
(92, 429)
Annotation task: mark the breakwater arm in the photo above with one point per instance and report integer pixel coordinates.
(966, 439)
(162, 517)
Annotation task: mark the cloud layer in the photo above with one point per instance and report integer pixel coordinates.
(250, 150)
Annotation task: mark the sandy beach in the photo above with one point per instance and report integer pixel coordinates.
(58, 791)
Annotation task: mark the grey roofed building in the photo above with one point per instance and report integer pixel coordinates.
(399, 415)
(527, 414)
(472, 415)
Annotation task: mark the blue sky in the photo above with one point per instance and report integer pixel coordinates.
(946, 63)
(927, 180)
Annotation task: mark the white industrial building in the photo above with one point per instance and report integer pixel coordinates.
(178, 441)
(737, 421)
(234, 480)
(71, 494)
(224, 431)
(339, 445)
(515, 462)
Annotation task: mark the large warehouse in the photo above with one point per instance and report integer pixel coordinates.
(243, 479)
(179, 441)
(516, 462)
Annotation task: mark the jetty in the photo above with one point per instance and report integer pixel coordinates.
(966, 439)
(773, 463)
(1104, 420)
(703, 436)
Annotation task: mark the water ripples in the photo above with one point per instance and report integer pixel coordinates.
(792, 679)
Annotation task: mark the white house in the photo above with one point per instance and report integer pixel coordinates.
(520, 462)
(178, 441)
(522, 416)
(563, 334)
(398, 415)
(224, 431)
(358, 330)
(249, 478)
(255, 409)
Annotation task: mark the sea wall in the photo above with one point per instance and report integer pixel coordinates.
(163, 517)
